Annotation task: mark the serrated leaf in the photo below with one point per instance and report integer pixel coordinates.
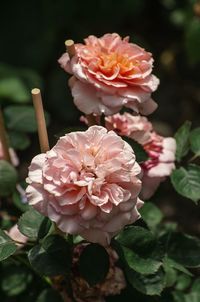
(182, 140)
(14, 89)
(195, 140)
(52, 257)
(139, 239)
(7, 246)
(149, 285)
(8, 178)
(22, 118)
(184, 249)
(34, 225)
(141, 265)
(183, 282)
(170, 274)
(94, 263)
(187, 181)
(18, 140)
(171, 263)
(151, 214)
(15, 280)
(140, 153)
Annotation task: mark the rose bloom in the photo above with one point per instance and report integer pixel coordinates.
(109, 73)
(135, 127)
(161, 150)
(87, 184)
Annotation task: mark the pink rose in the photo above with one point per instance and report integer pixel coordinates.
(161, 151)
(87, 184)
(109, 73)
(135, 127)
(160, 164)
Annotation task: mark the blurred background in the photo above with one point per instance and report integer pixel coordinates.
(32, 39)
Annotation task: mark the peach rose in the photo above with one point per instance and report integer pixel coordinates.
(109, 73)
(87, 184)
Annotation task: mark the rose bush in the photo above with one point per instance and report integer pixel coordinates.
(87, 184)
(109, 73)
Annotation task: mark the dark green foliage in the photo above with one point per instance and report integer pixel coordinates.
(94, 263)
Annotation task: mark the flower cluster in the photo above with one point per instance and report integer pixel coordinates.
(109, 73)
(87, 184)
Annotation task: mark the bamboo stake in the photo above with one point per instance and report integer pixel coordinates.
(70, 48)
(39, 113)
(3, 138)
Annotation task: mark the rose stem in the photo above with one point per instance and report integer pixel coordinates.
(39, 113)
(3, 138)
(91, 119)
(70, 48)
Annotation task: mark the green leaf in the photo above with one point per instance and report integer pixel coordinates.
(182, 140)
(184, 249)
(19, 202)
(196, 285)
(52, 257)
(34, 225)
(183, 282)
(14, 89)
(192, 297)
(49, 295)
(170, 274)
(195, 140)
(173, 264)
(192, 40)
(140, 153)
(22, 118)
(178, 296)
(44, 227)
(15, 280)
(151, 214)
(8, 178)
(149, 285)
(186, 181)
(94, 264)
(19, 140)
(7, 246)
(139, 264)
(142, 241)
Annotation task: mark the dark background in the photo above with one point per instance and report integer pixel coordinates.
(32, 39)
